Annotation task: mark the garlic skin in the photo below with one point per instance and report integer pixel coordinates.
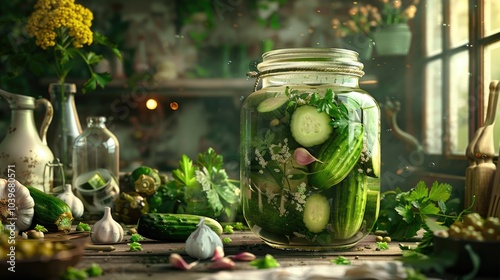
(24, 204)
(202, 242)
(106, 230)
(73, 201)
(303, 157)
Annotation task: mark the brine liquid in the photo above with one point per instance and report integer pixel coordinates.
(275, 187)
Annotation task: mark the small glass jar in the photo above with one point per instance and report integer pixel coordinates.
(96, 166)
(310, 151)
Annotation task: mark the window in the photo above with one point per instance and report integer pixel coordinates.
(461, 51)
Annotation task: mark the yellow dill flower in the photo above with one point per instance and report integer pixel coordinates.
(63, 17)
(62, 27)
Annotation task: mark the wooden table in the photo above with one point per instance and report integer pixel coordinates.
(152, 263)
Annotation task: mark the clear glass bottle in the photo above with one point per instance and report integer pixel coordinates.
(310, 151)
(96, 166)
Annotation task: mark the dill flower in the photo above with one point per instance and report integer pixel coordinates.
(62, 29)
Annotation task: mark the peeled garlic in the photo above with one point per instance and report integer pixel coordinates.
(202, 242)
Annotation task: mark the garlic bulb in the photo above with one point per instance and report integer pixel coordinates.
(202, 242)
(73, 201)
(20, 206)
(106, 230)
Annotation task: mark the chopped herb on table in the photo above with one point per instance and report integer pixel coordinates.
(341, 260)
(83, 227)
(40, 228)
(382, 245)
(136, 237)
(227, 240)
(135, 246)
(267, 262)
(94, 270)
(228, 229)
(72, 273)
(239, 226)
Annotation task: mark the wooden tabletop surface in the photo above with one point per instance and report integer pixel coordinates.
(153, 261)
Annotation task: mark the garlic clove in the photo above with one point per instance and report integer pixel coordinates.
(178, 262)
(218, 253)
(303, 157)
(243, 256)
(223, 263)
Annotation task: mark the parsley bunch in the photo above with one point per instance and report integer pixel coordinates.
(207, 189)
(403, 214)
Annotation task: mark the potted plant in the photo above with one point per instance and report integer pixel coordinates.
(393, 35)
(355, 31)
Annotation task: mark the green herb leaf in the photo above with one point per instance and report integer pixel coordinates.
(340, 260)
(83, 227)
(94, 270)
(403, 214)
(382, 246)
(136, 237)
(228, 229)
(185, 174)
(135, 246)
(267, 262)
(40, 228)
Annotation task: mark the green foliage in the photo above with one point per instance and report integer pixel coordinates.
(403, 214)
(208, 190)
(329, 103)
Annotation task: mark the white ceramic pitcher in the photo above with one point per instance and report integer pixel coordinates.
(24, 154)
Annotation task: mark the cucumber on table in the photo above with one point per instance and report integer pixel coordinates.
(50, 211)
(310, 127)
(173, 227)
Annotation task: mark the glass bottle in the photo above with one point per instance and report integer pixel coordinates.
(64, 129)
(310, 151)
(96, 166)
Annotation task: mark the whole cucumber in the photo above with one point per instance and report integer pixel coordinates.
(172, 227)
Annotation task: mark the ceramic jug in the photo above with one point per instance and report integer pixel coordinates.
(24, 154)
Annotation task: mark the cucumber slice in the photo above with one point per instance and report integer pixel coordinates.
(310, 127)
(316, 213)
(273, 108)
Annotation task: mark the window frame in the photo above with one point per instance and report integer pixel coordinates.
(449, 162)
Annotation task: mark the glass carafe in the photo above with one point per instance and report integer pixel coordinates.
(96, 166)
(310, 151)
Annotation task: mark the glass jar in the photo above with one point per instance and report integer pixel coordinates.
(310, 151)
(96, 166)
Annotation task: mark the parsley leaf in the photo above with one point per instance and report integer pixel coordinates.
(267, 262)
(208, 190)
(403, 214)
(341, 261)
